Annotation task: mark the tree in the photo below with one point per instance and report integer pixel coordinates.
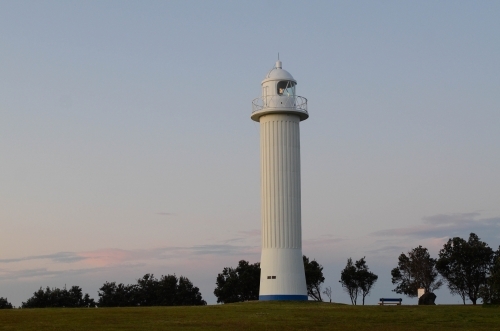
(465, 265)
(349, 281)
(415, 270)
(187, 294)
(314, 278)
(4, 304)
(357, 279)
(149, 291)
(72, 298)
(238, 284)
(366, 279)
(112, 295)
(328, 293)
(490, 292)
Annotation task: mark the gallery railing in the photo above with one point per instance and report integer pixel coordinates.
(279, 101)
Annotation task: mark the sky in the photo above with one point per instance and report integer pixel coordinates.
(126, 144)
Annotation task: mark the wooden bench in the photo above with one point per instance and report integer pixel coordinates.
(388, 301)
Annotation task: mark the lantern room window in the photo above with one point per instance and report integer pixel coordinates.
(286, 88)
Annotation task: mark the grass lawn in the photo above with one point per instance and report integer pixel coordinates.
(256, 316)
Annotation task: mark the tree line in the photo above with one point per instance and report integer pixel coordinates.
(242, 283)
(168, 290)
(232, 285)
(149, 291)
(470, 269)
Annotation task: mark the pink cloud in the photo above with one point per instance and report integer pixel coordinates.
(106, 257)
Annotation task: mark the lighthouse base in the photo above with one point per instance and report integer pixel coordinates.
(283, 297)
(282, 275)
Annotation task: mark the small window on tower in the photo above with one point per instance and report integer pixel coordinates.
(269, 277)
(274, 277)
(286, 88)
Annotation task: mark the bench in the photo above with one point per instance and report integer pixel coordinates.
(387, 301)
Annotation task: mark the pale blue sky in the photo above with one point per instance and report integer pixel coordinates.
(126, 144)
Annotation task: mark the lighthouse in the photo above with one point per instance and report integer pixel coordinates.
(279, 111)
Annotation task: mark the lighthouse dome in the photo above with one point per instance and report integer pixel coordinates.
(277, 73)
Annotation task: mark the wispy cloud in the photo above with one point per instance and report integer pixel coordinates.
(442, 226)
(233, 240)
(251, 233)
(61, 257)
(44, 272)
(78, 263)
(326, 239)
(224, 250)
(244, 236)
(450, 219)
(388, 249)
(116, 256)
(113, 256)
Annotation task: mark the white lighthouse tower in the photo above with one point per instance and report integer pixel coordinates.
(279, 111)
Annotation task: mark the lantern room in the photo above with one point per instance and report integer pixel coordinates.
(279, 95)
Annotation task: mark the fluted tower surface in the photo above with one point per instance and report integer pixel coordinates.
(279, 111)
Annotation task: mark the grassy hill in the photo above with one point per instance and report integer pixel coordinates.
(256, 316)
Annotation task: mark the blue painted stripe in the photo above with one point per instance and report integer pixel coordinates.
(284, 297)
